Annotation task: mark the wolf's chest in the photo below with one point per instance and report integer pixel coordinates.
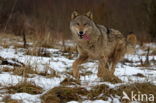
(92, 51)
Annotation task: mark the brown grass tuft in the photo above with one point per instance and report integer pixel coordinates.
(7, 99)
(99, 90)
(26, 70)
(23, 71)
(48, 72)
(25, 86)
(153, 52)
(143, 88)
(70, 81)
(63, 95)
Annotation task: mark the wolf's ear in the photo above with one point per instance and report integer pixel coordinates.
(89, 14)
(74, 14)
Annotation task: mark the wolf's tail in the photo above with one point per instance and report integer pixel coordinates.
(131, 43)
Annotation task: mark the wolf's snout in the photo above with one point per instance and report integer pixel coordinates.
(81, 32)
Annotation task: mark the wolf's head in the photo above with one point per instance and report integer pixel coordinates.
(82, 25)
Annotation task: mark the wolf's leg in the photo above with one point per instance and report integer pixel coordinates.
(117, 56)
(80, 60)
(101, 68)
(107, 74)
(111, 66)
(112, 69)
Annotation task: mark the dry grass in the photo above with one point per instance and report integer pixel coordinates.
(48, 72)
(70, 81)
(38, 39)
(126, 61)
(6, 69)
(15, 63)
(7, 40)
(98, 90)
(26, 70)
(7, 99)
(24, 86)
(43, 39)
(86, 73)
(23, 71)
(69, 52)
(63, 94)
(70, 49)
(10, 36)
(148, 63)
(153, 52)
(38, 52)
(143, 88)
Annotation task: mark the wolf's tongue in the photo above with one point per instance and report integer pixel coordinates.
(86, 37)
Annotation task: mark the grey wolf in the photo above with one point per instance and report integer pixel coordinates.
(97, 42)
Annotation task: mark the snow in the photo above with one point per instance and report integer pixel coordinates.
(26, 98)
(73, 102)
(46, 83)
(61, 64)
(151, 45)
(8, 79)
(95, 101)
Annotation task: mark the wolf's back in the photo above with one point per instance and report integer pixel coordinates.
(114, 35)
(130, 41)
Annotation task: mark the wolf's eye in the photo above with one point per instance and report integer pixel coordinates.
(86, 24)
(77, 24)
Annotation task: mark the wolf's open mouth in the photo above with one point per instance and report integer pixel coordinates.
(81, 36)
(84, 36)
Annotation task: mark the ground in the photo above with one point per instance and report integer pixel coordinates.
(39, 74)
